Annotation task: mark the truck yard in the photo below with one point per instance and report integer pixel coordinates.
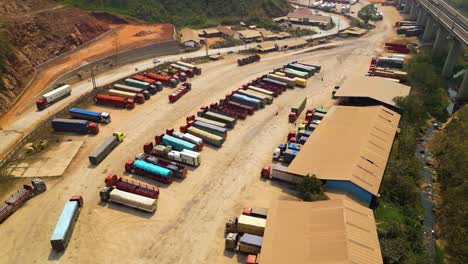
(192, 209)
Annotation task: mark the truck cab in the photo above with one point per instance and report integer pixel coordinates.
(276, 154)
(41, 104)
(292, 117)
(119, 135)
(266, 171)
(105, 117)
(93, 128)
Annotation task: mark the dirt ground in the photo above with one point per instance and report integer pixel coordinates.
(211, 41)
(188, 225)
(124, 37)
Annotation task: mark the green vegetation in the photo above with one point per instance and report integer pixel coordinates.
(310, 189)
(5, 49)
(369, 12)
(451, 150)
(400, 232)
(190, 12)
(460, 5)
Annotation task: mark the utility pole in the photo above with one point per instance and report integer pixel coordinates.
(206, 48)
(93, 77)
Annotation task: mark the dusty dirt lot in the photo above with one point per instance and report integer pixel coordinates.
(188, 225)
(125, 37)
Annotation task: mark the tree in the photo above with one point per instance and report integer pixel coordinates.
(310, 189)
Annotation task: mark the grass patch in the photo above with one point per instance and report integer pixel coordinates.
(439, 255)
(388, 212)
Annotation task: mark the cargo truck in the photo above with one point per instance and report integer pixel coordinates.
(261, 90)
(98, 117)
(255, 212)
(132, 186)
(146, 169)
(178, 170)
(138, 98)
(106, 147)
(219, 131)
(66, 223)
(21, 197)
(207, 137)
(297, 109)
(290, 82)
(243, 99)
(245, 243)
(164, 79)
(246, 224)
(185, 156)
(239, 106)
(273, 82)
(176, 95)
(248, 60)
(189, 72)
(229, 121)
(75, 125)
(209, 121)
(196, 70)
(317, 67)
(53, 96)
(125, 88)
(280, 173)
(261, 96)
(116, 101)
(146, 86)
(110, 194)
(187, 137)
(175, 143)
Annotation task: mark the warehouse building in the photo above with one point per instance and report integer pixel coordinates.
(189, 38)
(227, 32)
(209, 33)
(300, 18)
(349, 151)
(367, 91)
(266, 34)
(333, 231)
(249, 35)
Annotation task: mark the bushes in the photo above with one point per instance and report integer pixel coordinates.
(5, 49)
(310, 189)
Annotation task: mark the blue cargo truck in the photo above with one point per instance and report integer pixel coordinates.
(98, 117)
(64, 228)
(75, 125)
(176, 143)
(243, 99)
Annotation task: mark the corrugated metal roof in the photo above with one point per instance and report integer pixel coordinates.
(350, 144)
(380, 89)
(249, 33)
(227, 31)
(188, 34)
(333, 231)
(310, 17)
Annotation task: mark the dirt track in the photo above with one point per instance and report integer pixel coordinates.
(187, 227)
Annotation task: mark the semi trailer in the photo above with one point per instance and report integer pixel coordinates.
(146, 169)
(53, 96)
(110, 194)
(138, 98)
(178, 170)
(207, 137)
(164, 79)
(66, 223)
(75, 125)
(229, 121)
(98, 117)
(125, 88)
(248, 60)
(106, 147)
(116, 101)
(219, 131)
(132, 186)
(196, 70)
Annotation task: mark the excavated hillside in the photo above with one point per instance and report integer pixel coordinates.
(39, 30)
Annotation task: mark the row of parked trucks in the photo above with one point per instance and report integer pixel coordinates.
(388, 67)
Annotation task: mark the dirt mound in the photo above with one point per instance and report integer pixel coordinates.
(39, 31)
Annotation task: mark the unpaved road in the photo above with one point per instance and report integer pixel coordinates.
(187, 227)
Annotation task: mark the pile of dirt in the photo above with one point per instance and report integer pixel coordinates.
(40, 30)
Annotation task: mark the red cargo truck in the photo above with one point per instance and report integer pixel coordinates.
(132, 186)
(116, 101)
(185, 88)
(166, 80)
(142, 78)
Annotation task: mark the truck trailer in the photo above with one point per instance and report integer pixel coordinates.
(164, 79)
(75, 125)
(126, 88)
(66, 223)
(116, 101)
(261, 90)
(196, 70)
(176, 143)
(146, 169)
(243, 99)
(53, 96)
(260, 96)
(98, 117)
(132, 186)
(178, 170)
(187, 137)
(110, 194)
(297, 109)
(106, 147)
(229, 121)
(219, 131)
(185, 156)
(138, 98)
(207, 137)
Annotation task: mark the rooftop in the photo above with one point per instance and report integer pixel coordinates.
(380, 89)
(310, 17)
(188, 34)
(249, 33)
(333, 231)
(350, 144)
(227, 31)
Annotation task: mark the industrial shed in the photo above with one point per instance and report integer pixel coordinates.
(349, 150)
(366, 91)
(324, 22)
(333, 231)
(250, 35)
(189, 38)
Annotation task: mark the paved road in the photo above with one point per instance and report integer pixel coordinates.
(30, 117)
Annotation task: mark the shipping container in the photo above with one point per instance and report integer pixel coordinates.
(250, 244)
(130, 89)
(53, 96)
(260, 96)
(251, 225)
(229, 121)
(263, 91)
(75, 125)
(128, 199)
(66, 223)
(222, 132)
(114, 101)
(138, 98)
(208, 138)
(105, 148)
(243, 99)
(146, 169)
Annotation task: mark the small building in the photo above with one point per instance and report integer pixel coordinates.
(266, 34)
(189, 38)
(209, 33)
(368, 91)
(349, 150)
(326, 232)
(227, 32)
(292, 43)
(250, 35)
(283, 35)
(267, 46)
(324, 22)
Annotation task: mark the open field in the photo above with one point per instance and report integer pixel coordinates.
(188, 225)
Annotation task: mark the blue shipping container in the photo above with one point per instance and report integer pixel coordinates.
(151, 168)
(64, 228)
(247, 99)
(177, 144)
(75, 125)
(294, 146)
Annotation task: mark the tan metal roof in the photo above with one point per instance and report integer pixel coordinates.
(188, 34)
(210, 31)
(249, 33)
(333, 231)
(266, 46)
(310, 17)
(226, 31)
(350, 144)
(380, 89)
(291, 42)
(264, 32)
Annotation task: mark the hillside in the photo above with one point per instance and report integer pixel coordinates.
(189, 12)
(34, 31)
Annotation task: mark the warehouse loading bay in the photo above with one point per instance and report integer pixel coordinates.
(188, 224)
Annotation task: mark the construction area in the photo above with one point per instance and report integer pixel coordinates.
(155, 162)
